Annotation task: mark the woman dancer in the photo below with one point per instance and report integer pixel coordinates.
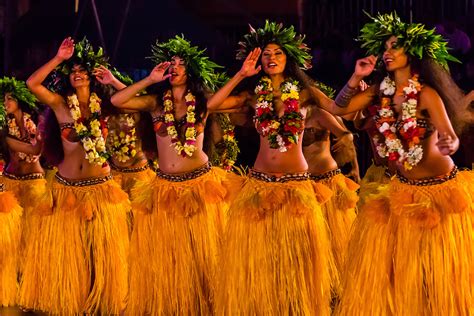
(178, 215)
(79, 253)
(412, 249)
(277, 254)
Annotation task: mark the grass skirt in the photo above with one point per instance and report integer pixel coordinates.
(412, 251)
(35, 198)
(374, 177)
(127, 180)
(10, 234)
(77, 261)
(276, 257)
(340, 213)
(175, 243)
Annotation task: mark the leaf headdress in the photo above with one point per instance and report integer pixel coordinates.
(198, 65)
(414, 38)
(19, 91)
(291, 42)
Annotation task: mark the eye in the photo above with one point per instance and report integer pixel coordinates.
(279, 53)
(395, 45)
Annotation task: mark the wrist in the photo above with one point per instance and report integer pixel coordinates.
(57, 59)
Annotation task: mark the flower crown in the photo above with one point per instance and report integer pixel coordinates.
(19, 91)
(198, 65)
(272, 32)
(415, 38)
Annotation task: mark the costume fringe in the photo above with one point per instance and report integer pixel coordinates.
(175, 243)
(412, 251)
(340, 213)
(276, 258)
(127, 180)
(374, 177)
(35, 198)
(10, 234)
(79, 253)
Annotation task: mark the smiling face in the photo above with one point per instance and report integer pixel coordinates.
(79, 77)
(178, 72)
(11, 103)
(394, 57)
(273, 59)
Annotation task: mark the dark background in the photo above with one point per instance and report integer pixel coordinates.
(31, 31)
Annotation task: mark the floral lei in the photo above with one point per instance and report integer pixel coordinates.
(92, 131)
(190, 143)
(282, 132)
(14, 130)
(388, 142)
(123, 144)
(226, 151)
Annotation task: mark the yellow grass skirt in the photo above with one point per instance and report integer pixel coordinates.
(127, 180)
(10, 234)
(374, 177)
(175, 243)
(77, 262)
(412, 251)
(340, 213)
(276, 258)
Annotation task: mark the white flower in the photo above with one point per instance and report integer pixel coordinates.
(385, 126)
(387, 86)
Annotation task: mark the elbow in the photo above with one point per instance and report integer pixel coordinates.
(115, 101)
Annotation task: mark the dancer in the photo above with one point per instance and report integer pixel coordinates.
(79, 252)
(277, 254)
(179, 214)
(412, 249)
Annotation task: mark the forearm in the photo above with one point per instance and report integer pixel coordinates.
(125, 94)
(37, 78)
(344, 96)
(216, 101)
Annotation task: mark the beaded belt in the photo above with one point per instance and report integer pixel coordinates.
(387, 173)
(185, 176)
(30, 176)
(82, 182)
(2, 187)
(128, 170)
(325, 176)
(429, 181)
(302, 176)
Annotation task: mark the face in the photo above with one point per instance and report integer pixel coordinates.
(79, 77)
(394, 57)
(273, 59)
(11, 104)
(177, 70)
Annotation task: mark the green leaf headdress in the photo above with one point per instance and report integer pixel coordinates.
(198, 65)
(85, 56)
(19, 91)
(415, 38)
(287, 38)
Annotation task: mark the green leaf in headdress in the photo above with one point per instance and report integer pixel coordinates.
(19, 91)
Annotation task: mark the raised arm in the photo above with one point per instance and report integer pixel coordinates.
(106, 77)
(127, 98)
(35, 81)
(350, 99)
(221, 99)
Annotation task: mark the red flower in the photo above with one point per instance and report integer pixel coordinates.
(393, 156)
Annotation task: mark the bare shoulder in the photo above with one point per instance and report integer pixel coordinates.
(429, 97)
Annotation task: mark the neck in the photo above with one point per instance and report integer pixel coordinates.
(401, 77)
(83, 94)
(277, 80)
(178, 92)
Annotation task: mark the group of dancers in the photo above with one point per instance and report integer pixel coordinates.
(89, 226)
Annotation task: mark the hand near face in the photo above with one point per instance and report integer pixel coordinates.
(104, 75)
(365, 66)
(248, 67)
(158, 73)
(66, 50)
